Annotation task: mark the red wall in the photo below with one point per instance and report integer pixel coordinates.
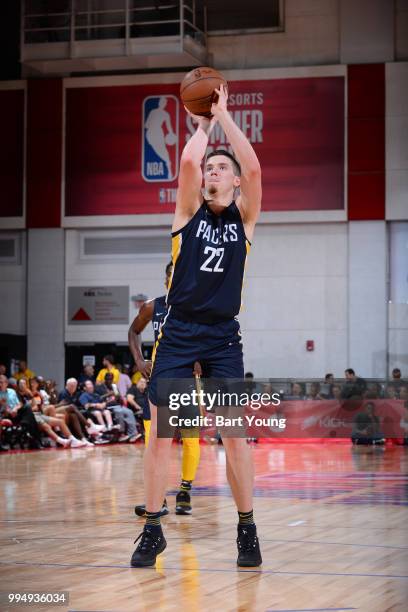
(366, 142)
(44, 149)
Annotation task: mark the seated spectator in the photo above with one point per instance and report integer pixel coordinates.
(366, 427)
(51, 424)
(373, 391)
(329, 379)
(314, 393)
(297, 392)
(3, 370)
(69, 406)
(109, 393)
(23, 391)
(354, 387)
(109, 368)
(34, 385)
(88, 373)
(23, 371)
(13, 408)
(91, 402)
(137, 396)
(124, 383)
(403, 393)
(335, 391)
(50, 388)
(70, 395)
(391, 392)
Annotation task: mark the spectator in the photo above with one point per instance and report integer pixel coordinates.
(335, 391)
(48, 424)
(92, 403)
(70, 395)
(366, 427)
(23, 391)
(403, 393)
(374, 391)
(88, 373)
(68, 408)
(12, 407)
(12, 383)
(329, 378)
(124, 383)
(250, 384)
(108, 368)
(314, 393)
(3, 370)
(50, 388)
(391, 392)
(23, 371)
(354, 387)
(137, 396)
(396, 374)
(109, 393)
(297, 392)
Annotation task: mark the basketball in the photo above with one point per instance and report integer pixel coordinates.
(197, 89)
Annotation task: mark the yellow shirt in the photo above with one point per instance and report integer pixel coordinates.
(27, 374)
(101, 375)
(136, 377)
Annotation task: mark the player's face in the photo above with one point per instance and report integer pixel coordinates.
(219, 175)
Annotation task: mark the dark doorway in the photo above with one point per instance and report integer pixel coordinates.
(75, 353)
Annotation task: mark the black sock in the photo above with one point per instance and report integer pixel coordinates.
(246, 518)
(153, 520)
(185, 485)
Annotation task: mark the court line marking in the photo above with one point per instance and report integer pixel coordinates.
(199, 538)
(310, 610)
(205, 569)
(260, 524)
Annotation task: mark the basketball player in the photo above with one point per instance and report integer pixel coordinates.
(154, 311)
(210, 240)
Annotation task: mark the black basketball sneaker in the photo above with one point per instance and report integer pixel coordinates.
(152, 543)
(141, 510)
(183, 503)
(249, 554)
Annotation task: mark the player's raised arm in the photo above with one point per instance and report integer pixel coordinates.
(143, 317)
(190, 176)
(249, 201)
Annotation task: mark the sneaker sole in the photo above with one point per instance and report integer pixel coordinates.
(142, 512)
(181, 510)
(150, 563)
(250, 564)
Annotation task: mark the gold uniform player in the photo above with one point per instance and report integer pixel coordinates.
(154, 311)
(211, 237)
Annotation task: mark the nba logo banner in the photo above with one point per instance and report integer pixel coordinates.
(160, 138)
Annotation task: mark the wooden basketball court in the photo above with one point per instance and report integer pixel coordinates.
(333, 524)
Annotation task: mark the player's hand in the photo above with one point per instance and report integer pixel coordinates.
(221, 105)
(205, 123)
(144, 367)
(197, 370)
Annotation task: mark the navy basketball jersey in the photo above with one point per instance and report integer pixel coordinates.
(159, 312)
(209, 255)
